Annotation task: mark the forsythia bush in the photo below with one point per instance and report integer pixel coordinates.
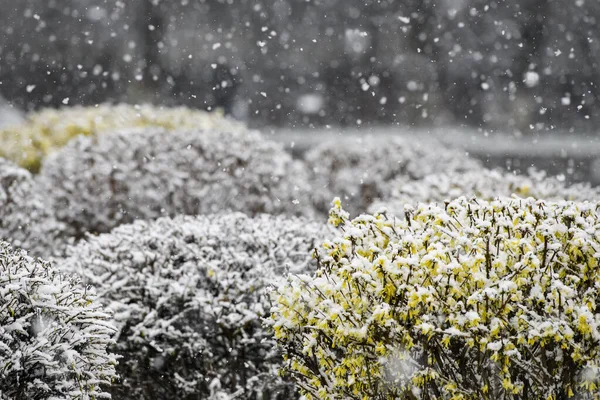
(53, 335)
(26, 220)
(360, 171)
(97, 183)
(483, 184)
(474, 300)
(189, 296)
(48, 130)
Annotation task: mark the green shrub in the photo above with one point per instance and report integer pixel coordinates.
(474, 300)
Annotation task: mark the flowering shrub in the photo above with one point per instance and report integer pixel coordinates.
(53, 334)
(477, 300)
(483, 184)
(25, 219)
(48, 130)
(97, 183)
(359, 171)
(189, 296)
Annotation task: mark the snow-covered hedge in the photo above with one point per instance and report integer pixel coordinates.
(483, 184)
(97, 183)
(359, 170)
(26, 220)
(45, 131)
(474, 300)
(53, 335)
(189, 296)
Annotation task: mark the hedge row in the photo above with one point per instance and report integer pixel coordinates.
(100, 167)
(172, 242)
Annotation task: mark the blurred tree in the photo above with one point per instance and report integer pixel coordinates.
(52, 53)
(504, 64)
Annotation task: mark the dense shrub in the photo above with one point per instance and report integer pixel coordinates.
(48, 130)
(97, 183)
(483, 184)
(359, 171)
(189, 296)
(477, 300)
(26, 221)
(53, 335)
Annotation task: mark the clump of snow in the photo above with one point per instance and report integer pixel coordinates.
(356, 41)
(97, 183)
(470, 297)
(54, 336)
(359, 171)
(46, 131)
(483, 184)
(189, 296)
(310, 103)
(531, 79)
(26, 220)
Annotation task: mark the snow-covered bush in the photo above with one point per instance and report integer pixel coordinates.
(26, 221)
(53, 334)
(48, 130)
(189, 296)
(474, 300)
(483, 184)
(358, 170)
(97, 183)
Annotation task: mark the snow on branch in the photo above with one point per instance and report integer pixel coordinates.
(469, 300)
(54, 335)
(190, 295)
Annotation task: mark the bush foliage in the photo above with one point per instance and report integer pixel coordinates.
(53, 335)
(360, 171)
(26, 220)
(483, 184)
(189, 296)
(48, 130)
(97, 183)
(474, 300)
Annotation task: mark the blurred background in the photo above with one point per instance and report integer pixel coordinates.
(474, 71)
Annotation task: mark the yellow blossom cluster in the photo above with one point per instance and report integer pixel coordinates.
(48, 130)
(470, 300)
